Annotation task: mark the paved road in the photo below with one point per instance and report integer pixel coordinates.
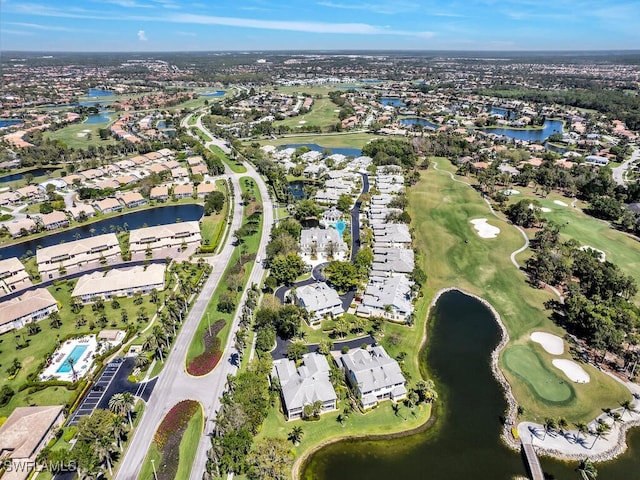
(174, 384)
(619, 173)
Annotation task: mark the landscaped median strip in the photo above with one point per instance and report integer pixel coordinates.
(174, 443)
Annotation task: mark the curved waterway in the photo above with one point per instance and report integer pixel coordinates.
(464, 442)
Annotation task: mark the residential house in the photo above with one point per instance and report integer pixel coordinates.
(374, 375)
(13, 276)
(81, 210)
(24, 434)
(107, 205)
(131, 199)
(19, 228)
(205, 189)
(307, 385)
(322, 243)
(160, 193)
(391, 261)
(9, 198)
(56, 260)
(199, 170)
(330, 216)
(392, 235)
(31, 306)
(30, 193)
(193, 161)
(53, 220)
(183, 191)
(120, 282)
(390, 298)
(179, 172)
(174, 235)
(319, 300)
(125, 180)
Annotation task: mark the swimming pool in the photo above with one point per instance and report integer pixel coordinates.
(340, 226)
(75, 354)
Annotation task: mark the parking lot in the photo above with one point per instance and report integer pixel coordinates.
(98, 390)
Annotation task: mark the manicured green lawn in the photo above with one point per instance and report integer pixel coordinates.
(234, 165)
(75, 136)
(335, 140)
(322, 114)
(455, 256)
(146, 472)
(212, 314)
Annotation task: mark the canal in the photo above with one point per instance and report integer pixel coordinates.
(128, 221)
(464, 442)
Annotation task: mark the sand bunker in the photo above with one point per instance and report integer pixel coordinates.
(572, 370)
(553, 344)
(511, 191)
(545, 209)
(484, 229)
(601, 255)
(561, 203)
(302, 121)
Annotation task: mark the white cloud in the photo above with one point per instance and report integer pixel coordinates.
(142, 36)
(382, 8)
(37, 26)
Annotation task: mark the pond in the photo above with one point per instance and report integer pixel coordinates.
(98, 92)
(37, 172)
(503, 112)
(394, 102)
(8, 122)
(217, 93)
(128, 221)
(464, 442)
(296, 190)
(419, 121)
(354, 152)
(531, 135)
(99, 118)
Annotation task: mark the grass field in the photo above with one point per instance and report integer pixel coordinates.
(43, 343)
(619, 248)
(189, 444)
(336, 140)
(69, 134)
(455, 256)
(322, 114)
(235, 166)
(212, 314)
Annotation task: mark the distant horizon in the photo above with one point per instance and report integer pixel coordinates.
(275, 25)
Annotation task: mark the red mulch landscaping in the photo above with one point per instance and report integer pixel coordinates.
(169, 435)
(207, 360)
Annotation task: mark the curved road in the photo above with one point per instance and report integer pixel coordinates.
(620, 173)
(174, 384)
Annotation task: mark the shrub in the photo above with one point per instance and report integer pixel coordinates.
(207, 360)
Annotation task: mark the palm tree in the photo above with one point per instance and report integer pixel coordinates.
(103, 449)
(562, 424)
(121, 404)
(118, 428)
(627, 405)
(587, 470)
(295, 435)
(582, 429)
(549, 425)
(155, 342)
(71, 362)
(601, 430)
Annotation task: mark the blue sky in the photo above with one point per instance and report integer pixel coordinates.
(169, 25)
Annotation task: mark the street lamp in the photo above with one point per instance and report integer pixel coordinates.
(153, 465)
(209, 323)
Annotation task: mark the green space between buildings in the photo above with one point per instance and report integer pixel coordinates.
(323, 114)
(455, 256)
(236, 166)
(330, 140)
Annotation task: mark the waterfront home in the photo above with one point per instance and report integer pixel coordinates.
(24, 434)
(107, 205)
(596, 160)
(329, 196)
(20, 228)
(183, 191)
(205, 189)
(120, 282)
(81, 210)
(57, 260)
(322, 244)
(131, 199)
(304, 386)
(174, 235)
(13, 276)
(53, 220)
(9, 198)
(374, 375)
(160, 193)
(31, 306)
(30, 193)
(320, 300)
(388, 297)
(389, 261)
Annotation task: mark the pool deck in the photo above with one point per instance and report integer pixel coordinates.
(81, 366)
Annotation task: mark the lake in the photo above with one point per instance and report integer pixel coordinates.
(99, 118)
(394, 102)
(8, 122)
(418, 121)
(508, 114)
(97, 92)
(36, 172)
(464, 441)
(149, 218)
(537, 135)
(355, 152)
(217, 93)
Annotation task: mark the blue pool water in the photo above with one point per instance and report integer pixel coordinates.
(76, 353)
(340, 226)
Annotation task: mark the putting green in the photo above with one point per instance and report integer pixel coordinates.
(544, 383)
